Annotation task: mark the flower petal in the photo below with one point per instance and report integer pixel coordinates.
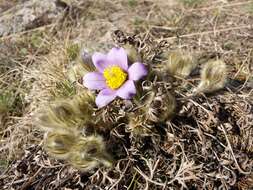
(94, 81)
(105, 97)
(100, 61)
(127, 90)
(137, 71)
(118, 56)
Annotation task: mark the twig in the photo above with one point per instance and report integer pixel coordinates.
(31, 180)
(121, 175)
(232, 152)
(147, 178)
(209, 32)
(215, 138)
(164, 27)
(132, 181)
(151, 169)
(27, 31)
(222, 6)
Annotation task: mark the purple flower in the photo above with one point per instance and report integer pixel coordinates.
(114, 78)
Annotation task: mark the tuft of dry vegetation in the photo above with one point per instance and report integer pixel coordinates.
(202, 142)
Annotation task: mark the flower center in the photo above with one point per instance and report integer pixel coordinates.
(114, 76)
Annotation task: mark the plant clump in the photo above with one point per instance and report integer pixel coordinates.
(119, 77)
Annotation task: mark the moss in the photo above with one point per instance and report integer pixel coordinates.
(36, 40)
(7, 101)
(3, 164)
(73, 51)
(138, 21)
(192, 3)
(132, 3)
(64, 89)
(250, 8)
(23, 51)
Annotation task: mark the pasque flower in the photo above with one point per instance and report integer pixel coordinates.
(114, 77)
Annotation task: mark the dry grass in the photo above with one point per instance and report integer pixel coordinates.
(208, 144)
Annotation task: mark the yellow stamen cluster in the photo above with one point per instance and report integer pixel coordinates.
(114, 76)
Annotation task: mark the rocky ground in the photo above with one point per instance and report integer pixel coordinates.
(206, 145)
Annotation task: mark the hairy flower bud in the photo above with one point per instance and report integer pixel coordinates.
(66, 114)
(81, 67)
(159, 105)
(87, 61)
(213, 77)
(180, 63)
(89, 152)
(84, 153)
(58, 144)
(164, 106)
